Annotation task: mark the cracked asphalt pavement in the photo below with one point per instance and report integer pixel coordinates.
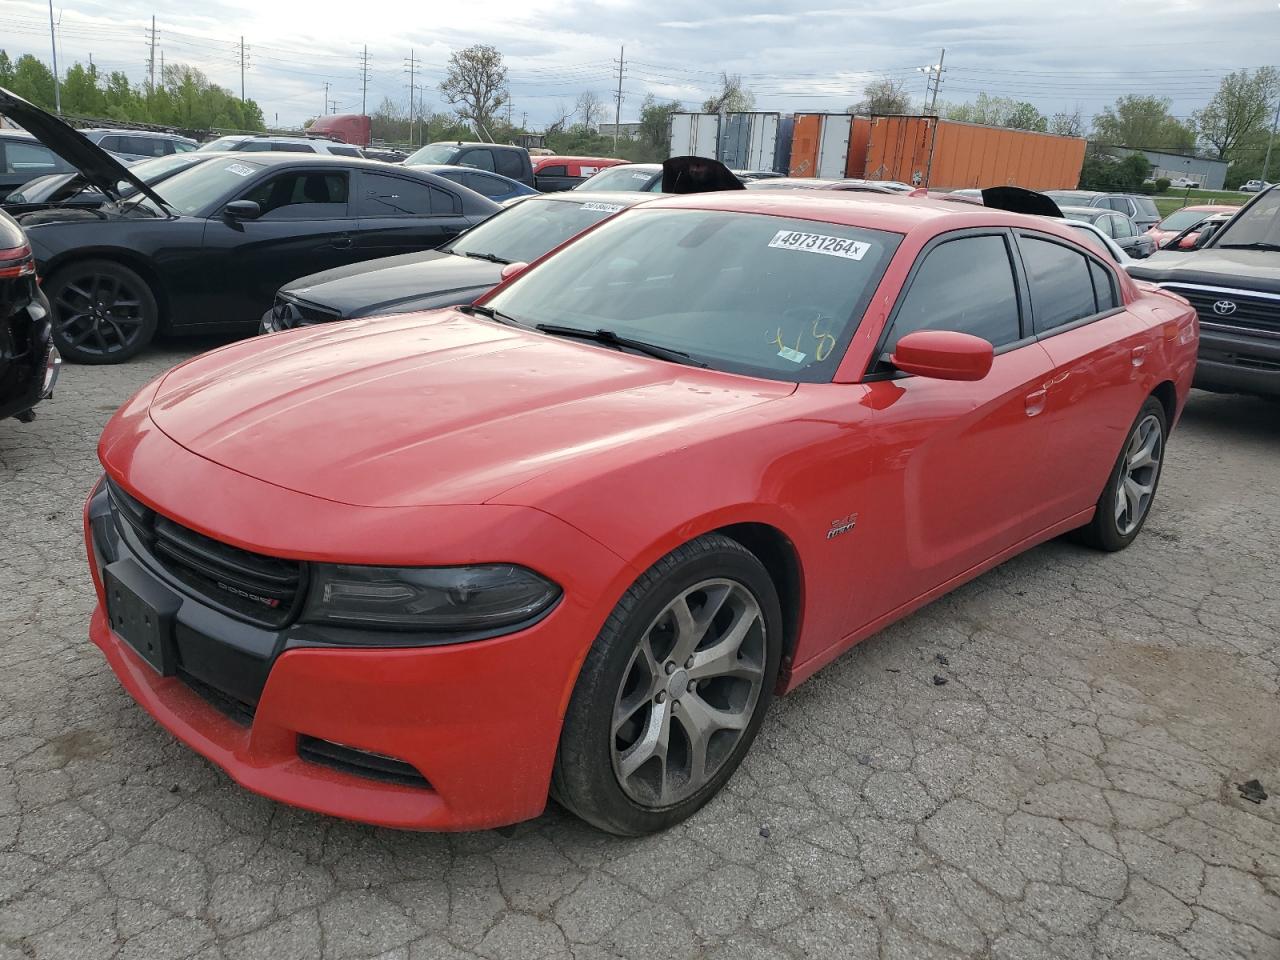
(1070, 791)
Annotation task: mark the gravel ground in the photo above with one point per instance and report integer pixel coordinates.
(1070, 792)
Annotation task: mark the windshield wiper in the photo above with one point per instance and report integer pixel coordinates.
(491, 257)
(609, 338)
(491, 314)
(1256, 245)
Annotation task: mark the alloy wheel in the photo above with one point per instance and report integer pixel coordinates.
(99, 313)
(1139, 473)
(688, 693)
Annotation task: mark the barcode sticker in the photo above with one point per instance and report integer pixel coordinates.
(599, 207)
(820, 243)
(240, 170)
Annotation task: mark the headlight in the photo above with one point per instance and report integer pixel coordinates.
(427, 598)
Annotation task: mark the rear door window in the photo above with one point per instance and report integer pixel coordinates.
(487, 186)
(480, 159)
(510, 164)
(387, 196)
(1060, 281)
(964, 285)
(1122, 227)
(557, 171)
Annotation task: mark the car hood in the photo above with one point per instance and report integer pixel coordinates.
(1213, 266)
(97, 166)
(432, 408)
(383, 286)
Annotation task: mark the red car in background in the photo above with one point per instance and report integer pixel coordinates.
(564, 173)
(1181, 219)
(423, 570)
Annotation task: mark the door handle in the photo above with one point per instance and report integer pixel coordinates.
(341, 243)
(1138, 355)
(1035, 401)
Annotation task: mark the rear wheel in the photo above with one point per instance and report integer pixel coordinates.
(673, 690)
(103, 312)
(1131, 489)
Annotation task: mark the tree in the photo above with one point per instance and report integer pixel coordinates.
(589, 109)
(1239, 111)
(33, 81)
(732, 98)
(1101, 171)
(475, 84)
(1067, 124)
(655, 123)
(997, 112)
(1143, 122)
(883, 96)
(562, 122)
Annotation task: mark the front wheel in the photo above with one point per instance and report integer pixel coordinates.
(673, 690)
(1131, 489)
(103, 312)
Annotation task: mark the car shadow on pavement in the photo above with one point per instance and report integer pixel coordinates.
(1234, 416)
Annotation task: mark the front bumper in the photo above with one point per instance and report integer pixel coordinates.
(476, 723)
(1238, 362)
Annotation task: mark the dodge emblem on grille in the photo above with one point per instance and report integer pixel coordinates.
(1224, 308)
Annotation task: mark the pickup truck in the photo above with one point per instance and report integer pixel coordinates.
(500, 158)
(1232, 278)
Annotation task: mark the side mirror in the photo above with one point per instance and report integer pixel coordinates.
(242, 210)
(514, 269)
(943, 355)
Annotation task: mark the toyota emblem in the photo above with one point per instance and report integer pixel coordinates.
(1224, 308)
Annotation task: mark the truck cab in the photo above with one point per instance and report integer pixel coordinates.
(500, 158)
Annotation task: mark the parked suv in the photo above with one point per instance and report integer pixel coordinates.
(1233, 281)
(133, 145)
(500, 158)
(1141, 210)
(23, 158)
(259, 143)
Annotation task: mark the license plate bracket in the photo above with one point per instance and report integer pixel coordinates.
(141, 612)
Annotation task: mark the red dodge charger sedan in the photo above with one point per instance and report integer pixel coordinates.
(424, 571)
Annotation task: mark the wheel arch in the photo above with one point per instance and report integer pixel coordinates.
(1167, 394)
(126, 258)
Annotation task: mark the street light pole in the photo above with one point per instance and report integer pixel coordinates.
(57, 83)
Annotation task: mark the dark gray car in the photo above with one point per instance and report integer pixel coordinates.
(1120, 228)
(1138, 208)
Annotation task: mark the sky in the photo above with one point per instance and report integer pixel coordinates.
(792, 56)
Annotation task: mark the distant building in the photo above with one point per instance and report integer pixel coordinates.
(627, 131)
(1208, 174)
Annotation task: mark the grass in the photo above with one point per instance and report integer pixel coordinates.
(1168, 202)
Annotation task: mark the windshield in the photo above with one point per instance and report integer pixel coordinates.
(193, 190)
(222, 143)
(748, 293)
(523, 233)
(1258, 225)
(1181, 219)
(433, 153)
(622, 178)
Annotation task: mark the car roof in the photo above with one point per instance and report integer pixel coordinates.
(475, 143)
(647, 167)
(558, 157)
(1211, 207)
(1088, 211)
(874, 211)
(133, 132)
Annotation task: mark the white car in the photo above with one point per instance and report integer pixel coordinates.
(1184, 182)
(1254, 186)
(266, 143)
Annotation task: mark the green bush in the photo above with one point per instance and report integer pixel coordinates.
(1162, 184)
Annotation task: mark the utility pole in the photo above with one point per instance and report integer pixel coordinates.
(57, 84)
(617, 105)
(162, 66)
(412, 68)
(364, 80)
(151, 62)
(1275, 125)
(325, 108)
(524, 120)
(933, 80)
(241, 69)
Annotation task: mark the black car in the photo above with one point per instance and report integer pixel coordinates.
(28, 360)
(1119, 227)
(1232, 278)
(510, 161)
(209, 254)
(455, 274)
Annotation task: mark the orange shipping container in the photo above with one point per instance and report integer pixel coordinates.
(950, 155)
(820, 145)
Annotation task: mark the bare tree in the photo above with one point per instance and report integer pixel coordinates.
(733, 97)
(561, 123)
(476, 83)
(1067, 124)
(589, 109)
(883, 96)
(1239, 110)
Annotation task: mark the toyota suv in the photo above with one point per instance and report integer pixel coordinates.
(1232, 278)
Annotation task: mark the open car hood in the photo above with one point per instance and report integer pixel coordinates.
(697, 175)
(95, 164)
(1020, 200)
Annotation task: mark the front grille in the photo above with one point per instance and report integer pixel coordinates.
(1253, 311)
(360, 763)
(261, 589)
(230, 707)
(288, 313)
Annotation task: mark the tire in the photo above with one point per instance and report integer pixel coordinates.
(103, 312)
(630, 672)
(1115, 525)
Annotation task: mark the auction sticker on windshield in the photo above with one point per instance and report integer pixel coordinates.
(820, 243)
(240, 170)
(599, 207)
